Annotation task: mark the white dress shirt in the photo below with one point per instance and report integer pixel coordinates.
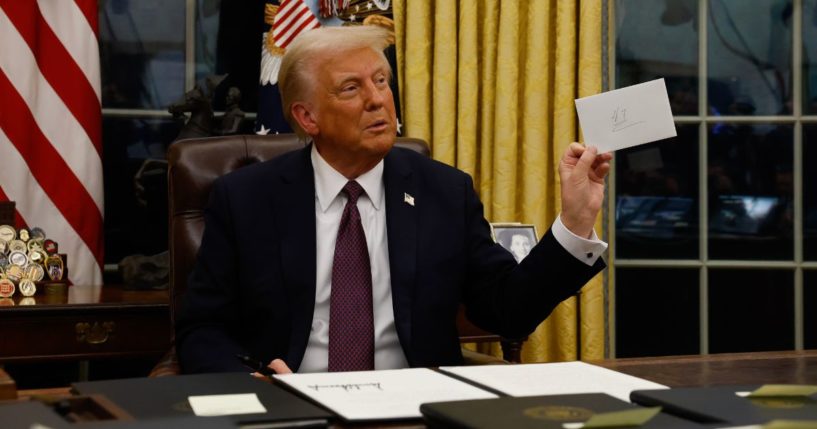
(329, 204)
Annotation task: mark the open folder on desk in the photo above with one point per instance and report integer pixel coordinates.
(162, 397)
(728, 405)
(381, 395)
(544, 412)
(552, 379)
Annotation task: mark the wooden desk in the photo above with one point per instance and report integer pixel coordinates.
(84, 323)
(788, 367)
(676, 371)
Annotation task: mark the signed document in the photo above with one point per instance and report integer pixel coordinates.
(559, 378)
(380, 395)
(626, 117)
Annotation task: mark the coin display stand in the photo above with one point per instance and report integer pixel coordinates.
(28, 262)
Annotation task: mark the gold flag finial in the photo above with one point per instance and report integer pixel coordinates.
(269, 13)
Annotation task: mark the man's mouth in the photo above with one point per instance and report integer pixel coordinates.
(378, 126)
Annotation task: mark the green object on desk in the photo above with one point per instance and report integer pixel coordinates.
(784, 391)
(791, 424)
(619, 419)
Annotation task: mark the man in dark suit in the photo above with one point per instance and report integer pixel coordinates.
(351, 254)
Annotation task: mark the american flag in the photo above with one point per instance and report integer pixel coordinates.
(293, 17)
(50, 125)
(286, 21)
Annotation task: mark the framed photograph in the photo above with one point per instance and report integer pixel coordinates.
(516, 238)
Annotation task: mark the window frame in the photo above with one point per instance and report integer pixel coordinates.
(796, 119)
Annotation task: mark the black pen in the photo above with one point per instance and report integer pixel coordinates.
(255, 365)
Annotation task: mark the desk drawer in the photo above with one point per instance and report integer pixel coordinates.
(92, 333)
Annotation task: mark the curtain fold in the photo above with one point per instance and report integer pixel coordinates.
(490, 85)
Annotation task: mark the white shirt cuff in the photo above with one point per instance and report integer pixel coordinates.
(583, 249)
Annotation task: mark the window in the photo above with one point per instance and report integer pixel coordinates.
(714, 232)
(148, 61)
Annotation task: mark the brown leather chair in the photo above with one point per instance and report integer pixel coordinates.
(193, 166)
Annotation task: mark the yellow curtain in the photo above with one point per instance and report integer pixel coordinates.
(490, 85)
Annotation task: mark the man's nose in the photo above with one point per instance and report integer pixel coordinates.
(375, 97)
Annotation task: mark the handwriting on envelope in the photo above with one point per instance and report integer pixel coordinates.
(626, 117)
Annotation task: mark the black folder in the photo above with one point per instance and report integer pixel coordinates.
(162, 397)
(170, 422)
(722, 405)
(23, 415)
(534, 412)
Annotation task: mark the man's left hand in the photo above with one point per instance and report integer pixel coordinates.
(278, 366)
(582, 173)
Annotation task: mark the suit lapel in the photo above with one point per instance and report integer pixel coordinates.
(296, 227)
(401, 226)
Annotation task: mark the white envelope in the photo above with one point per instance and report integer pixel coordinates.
(626, 117)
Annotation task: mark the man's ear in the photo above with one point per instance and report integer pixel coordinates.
(305, 118)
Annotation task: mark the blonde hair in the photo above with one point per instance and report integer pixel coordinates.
(296, 75)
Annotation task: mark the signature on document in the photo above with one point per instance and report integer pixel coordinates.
(347, 386)
(620, 121)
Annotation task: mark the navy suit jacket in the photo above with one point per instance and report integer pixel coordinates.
(252, 290)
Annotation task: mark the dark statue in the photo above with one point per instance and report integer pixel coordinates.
(233, 115)
(151, 272)
(199, 103)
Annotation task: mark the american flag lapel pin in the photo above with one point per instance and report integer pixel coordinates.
(408, 199)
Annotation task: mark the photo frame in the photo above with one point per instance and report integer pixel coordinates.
(516, 238)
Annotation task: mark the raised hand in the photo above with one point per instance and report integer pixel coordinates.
(582, 172)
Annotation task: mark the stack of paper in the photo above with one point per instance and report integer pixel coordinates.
(553, 379)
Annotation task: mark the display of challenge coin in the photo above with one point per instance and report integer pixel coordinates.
(6, 288)
(37, 233)
(27, 287)
(24, 234)
(17, 246)
(35, 272)
(15, 272)
(36, 256)
(50, 247)
(34, 244)
(4, 247)
(54, 267)
(19, 258)
(7, 233)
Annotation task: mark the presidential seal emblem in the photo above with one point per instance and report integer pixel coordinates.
(558, 413)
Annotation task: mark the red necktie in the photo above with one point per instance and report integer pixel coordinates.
(351, 328)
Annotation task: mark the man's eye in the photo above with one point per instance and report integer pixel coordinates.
(349, 88)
